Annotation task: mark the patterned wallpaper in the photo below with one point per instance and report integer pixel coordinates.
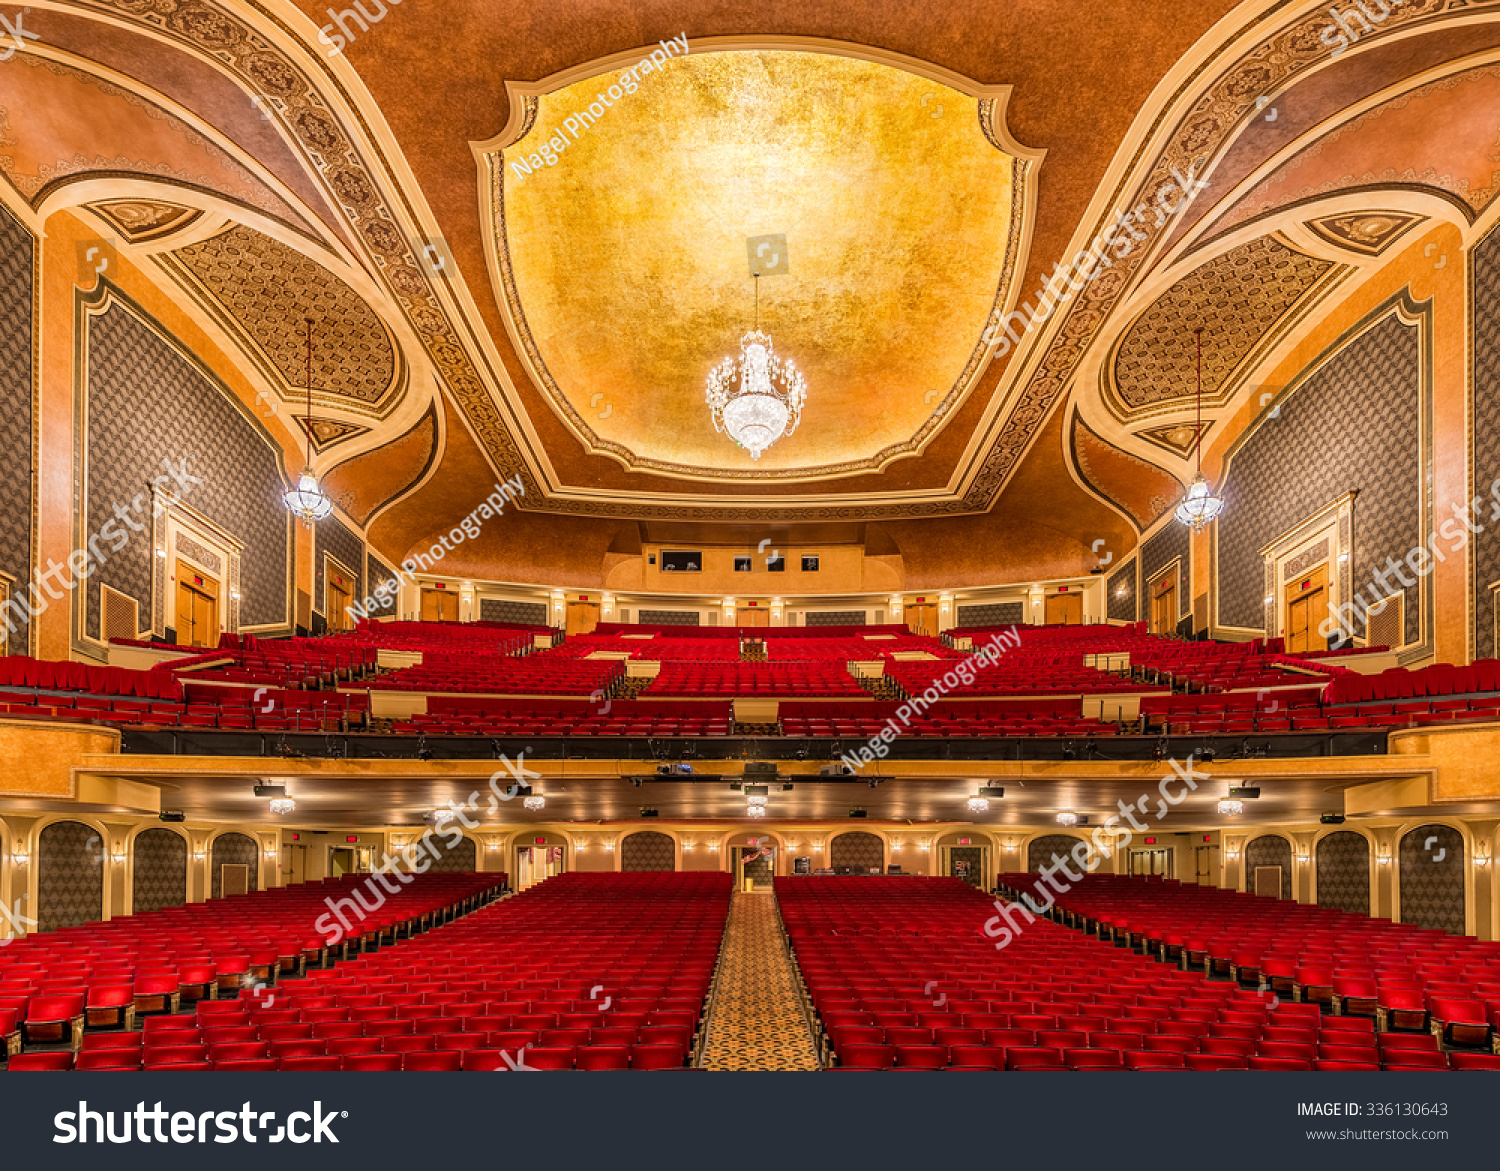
(376, 573)
(861, 851)
(147, 402)
(332, 536)
(668, 618)
(460, 858)
(1486, 416)
(1039, 851)
(648, 850)
(161, 859)
(1123, 606)
(233, 850)
(500, 610)
(1355, 423)
(70, 876)
(1172, 541)
(996, 614)
(1343, 860)
(1269, 850)
(835, 618)
(1432, 878)
(15, 401)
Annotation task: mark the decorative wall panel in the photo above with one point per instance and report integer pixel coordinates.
(1040, 851)
(459, 858)
(858, 852)
(161, 871)
(70, 876)
(147, 401)
(995, 614)
(334, 537)
(16, 376)
(648, 850)
(1343, 860)
(376, 574)
(1486, 415)
(1432, 878)
(668, 618)
(1356, 423)
(1124, 597)
(525, 613)
(1269, 850)
(1172, 541)
(233, 850)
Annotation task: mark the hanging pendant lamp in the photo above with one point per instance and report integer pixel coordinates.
(306, 501)
(1199, 506)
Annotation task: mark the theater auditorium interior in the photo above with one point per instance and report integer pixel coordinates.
(684, 537)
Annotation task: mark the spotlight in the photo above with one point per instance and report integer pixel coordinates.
(1332, 819)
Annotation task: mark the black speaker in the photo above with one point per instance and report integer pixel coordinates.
(170, 636)
(319, 625)
(173, 815)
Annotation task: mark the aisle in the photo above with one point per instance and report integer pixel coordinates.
(757, 1021)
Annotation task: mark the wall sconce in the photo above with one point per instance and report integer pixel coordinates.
(19, 856)
(492, 845)
(270, 853)
(896, 846)
(818, 846)
(1481, 857)
(1384, 858)
(609, 847)
(713, 847)
(687, 847)
(1010, 845)
(581, 845)
(398, 842)
(791, 845)
(1231, 853)
(119, 854)
(1302, 856)
(926, 847)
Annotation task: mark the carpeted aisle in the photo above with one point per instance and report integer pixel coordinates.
(757, 1021)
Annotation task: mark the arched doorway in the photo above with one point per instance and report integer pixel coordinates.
(752, 859)
(537, 857)
(967, 857)
(1040, 851)
(1265, 853)
(237, 858)
(1432, 878)
(160, 864)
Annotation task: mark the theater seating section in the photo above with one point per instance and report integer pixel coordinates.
(519, 687)
(1396, 977)
(902, 975)
(585, 971)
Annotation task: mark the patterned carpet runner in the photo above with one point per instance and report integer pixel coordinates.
(757, 1021)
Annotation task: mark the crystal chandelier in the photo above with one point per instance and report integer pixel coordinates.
(1067, 818)
(757, 398)
(537, 802)
(979, 804)
(306, 501)
(755, 811)
(1200, 505)
(1231, 808)
(282, 805)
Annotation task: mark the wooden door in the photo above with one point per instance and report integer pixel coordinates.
(755, 617)
(339, 596)
(1164, 606)
(1306, 603)
(197, 608)
(582, 617)
(439, 606)
(922, 619)
(1268, 881)
(1065, 610)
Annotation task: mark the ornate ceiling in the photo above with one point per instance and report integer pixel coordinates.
(877, 204)
(925, 167)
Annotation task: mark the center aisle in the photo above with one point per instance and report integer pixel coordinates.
(757, 1021)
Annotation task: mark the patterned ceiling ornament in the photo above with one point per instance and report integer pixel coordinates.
(139, 220)
(1248, 296)
(1139, 489)
(1178, 438)
(1368, 233)
(325, 433)
(1204, 131)
(258, 288)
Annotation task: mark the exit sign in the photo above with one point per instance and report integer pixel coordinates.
(1062, 589)
(1150, 841)
(540, 841)
(963, 841)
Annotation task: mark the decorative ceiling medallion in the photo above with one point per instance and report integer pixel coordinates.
(325, 433)
(1178, 438)
(140, 220)
(259, 290)
(1244, 300)
(1368, 233)
(621, 290)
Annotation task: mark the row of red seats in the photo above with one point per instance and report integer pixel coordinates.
(1399, 974)
(1481, 676)
(905, 973)
(528, 675)
(25, 672)
(760, 678)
